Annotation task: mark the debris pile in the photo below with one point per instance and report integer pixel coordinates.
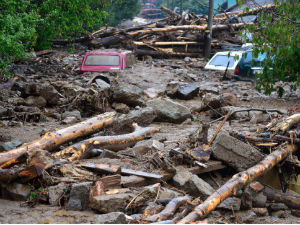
(175, 35)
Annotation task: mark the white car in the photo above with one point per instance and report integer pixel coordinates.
(221, 60)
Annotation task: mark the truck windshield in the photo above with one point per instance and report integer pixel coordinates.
(222, 60)
(102, 60)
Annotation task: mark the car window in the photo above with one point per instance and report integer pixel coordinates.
(222, 60)
(102, 60)
(248, 57)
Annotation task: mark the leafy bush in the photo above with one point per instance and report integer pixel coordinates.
(277, 33)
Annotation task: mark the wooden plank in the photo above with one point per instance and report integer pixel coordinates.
(211, 166)
(102, 168)
(140, 173)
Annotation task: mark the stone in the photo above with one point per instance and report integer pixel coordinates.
(110, 203)
(74, 113)
(259, 200)
(129, 94)
(55, 192)
(261, 211)
(192, 184)
(181, 90)
(111, 218)
(41, 157)
(230, 203)
(158, 146)
(279, 214)
(48, 92)
(102, 84)
(109, 154)
(15, 191)
(79, 196)
(69, 120)
(7, 146)
(153, 93)
(256, 186)
(217, 101)
(250, 217)
(235, 153)
(188, 59)
(37, 101)
(206, 88)
(121, 107)
(246, 199)
(133, 181)
(23, 108)
(277, 206)
(141, 148)
(169, 111)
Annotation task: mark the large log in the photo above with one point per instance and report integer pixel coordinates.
(290, 199)
(52, 140)
(114, 143)
(170, 12)
(239, 180)
(188, 27)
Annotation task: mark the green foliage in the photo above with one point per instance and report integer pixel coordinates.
(67, 19)
(122, 9)
(277, 34)
(17, 31)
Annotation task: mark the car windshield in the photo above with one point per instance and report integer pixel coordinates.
(222, 60)
(102, 60)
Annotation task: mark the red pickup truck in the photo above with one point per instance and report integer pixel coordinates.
(97, 61)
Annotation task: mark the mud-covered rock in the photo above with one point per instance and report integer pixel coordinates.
(15, 191)
(234, 152)
(48, 92)
(261, 211)
(69, 120)
(231, 203)
(277, 206)
(129, 94)
(259, 200)
(7, 146)
(55, 192)
(169, 111)
(74, 113)
(112, 218)
(79, 196)
(37, 101)
(192, 184)
(181, 90)
(121, 107)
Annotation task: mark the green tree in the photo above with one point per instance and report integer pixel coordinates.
(122, 9)
(17, 31)
(278, 34)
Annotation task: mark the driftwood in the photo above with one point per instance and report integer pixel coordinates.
(52, 140)
(170, 12)
(170, 209)
(289, 122)
(115, 143)
(290, 199)
(239, 180)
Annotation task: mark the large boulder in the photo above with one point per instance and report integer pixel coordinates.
(235, 153)
(169, 111)
(181, 90)
(37, 101)
(79, 196)
(128, 94)
(112, 218)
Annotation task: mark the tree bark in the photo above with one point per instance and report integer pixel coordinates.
(52, 140)
(290, 199)
(239, 180)
(108, 142)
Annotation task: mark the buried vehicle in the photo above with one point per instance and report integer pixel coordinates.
(98, 61)
(224, 60)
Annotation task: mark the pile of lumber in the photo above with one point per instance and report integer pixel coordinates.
(175, 35)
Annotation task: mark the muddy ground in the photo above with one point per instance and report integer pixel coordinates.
(60, 69)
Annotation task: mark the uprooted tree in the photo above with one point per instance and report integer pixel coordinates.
(277, 33)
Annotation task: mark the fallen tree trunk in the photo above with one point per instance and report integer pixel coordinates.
(290, 122)
(114, 143)
(189, 27)
(290, 199)
(170, 12)
(52, 140)
(170, 209)
(232, 186)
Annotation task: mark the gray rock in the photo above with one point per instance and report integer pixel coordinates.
(158, 146)
(110, 203)
(23, 108)
(250, 217)
(234, 152)
(153, 93)
(181, 90)
(129, 94)
(15, 191)
(169, 111)
(111, 218)
(277, 206)
(74, 113)
(79, 196)
(188, 59)
(261, 211)
(192, 184)
(37, 101)
(296, 212)
(7, 146)
(231, 203)
(133, 181)
(48, 92)
(217, 101)
(259, 200)
(55, 192)
(102, 84)
(69, 120)
(121, 107)
(279, 214)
